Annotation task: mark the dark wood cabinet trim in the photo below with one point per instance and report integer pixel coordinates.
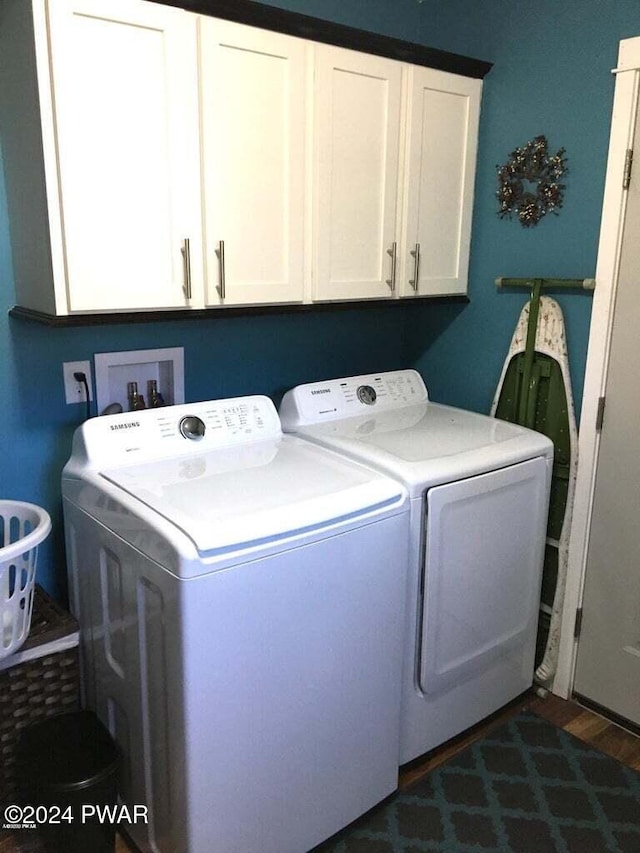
(191, 314)
(316, 29)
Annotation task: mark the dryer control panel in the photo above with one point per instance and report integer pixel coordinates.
(351, 396)
(176, 430)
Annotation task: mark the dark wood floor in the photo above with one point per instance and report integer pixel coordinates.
(580, 722)
(584, 724)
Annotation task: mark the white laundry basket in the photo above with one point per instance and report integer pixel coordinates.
(23, 526)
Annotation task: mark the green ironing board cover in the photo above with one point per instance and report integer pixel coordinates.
(548, 409)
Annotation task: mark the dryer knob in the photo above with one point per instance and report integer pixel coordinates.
(192, 427)
(366, 394)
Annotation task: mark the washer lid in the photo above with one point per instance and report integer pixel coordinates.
(235, 497)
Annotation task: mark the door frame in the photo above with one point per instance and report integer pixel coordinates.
(625, 105)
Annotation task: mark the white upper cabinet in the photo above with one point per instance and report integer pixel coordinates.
(119, 120)
(440, 164)
(157, 159)
(385, 210)
(356, 146)
(254, 122)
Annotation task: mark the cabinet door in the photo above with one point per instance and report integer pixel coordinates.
(253, 103)
(125, 90)
(357, 125)
(442, 130)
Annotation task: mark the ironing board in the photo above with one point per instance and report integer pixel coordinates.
(534, 390)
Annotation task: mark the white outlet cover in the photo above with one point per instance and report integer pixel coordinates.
(74, 391)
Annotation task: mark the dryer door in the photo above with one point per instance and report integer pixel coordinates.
(484, 549)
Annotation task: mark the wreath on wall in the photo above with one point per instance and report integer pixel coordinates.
(528, 183)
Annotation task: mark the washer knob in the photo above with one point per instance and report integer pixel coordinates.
(192, 427)
(366, 394)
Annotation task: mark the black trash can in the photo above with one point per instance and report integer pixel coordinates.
(70, 762)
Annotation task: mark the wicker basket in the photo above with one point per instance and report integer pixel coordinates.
(41, 679)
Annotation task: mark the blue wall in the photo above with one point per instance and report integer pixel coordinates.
(551, 76)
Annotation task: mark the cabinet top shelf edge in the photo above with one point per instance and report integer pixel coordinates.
(316, 29)
(191, 314)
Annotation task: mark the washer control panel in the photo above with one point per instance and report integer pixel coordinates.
(351, 396)
(178, 430)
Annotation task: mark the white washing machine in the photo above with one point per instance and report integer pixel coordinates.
(240, 596)
(479, 490)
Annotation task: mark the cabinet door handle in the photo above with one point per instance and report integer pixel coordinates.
(220, 253)
(415, 254)
(393, 254)
(186, 267)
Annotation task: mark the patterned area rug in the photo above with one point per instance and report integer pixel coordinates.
(526, 787)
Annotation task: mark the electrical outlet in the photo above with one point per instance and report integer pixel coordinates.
(75, 391)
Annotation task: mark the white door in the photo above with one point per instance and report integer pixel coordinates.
(357, 126)
(125, 86)
(442, 138)
(253, 105)
(484, 542)
(608, 660)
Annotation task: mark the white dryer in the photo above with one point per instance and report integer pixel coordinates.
(479, 491)
(240, 596)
